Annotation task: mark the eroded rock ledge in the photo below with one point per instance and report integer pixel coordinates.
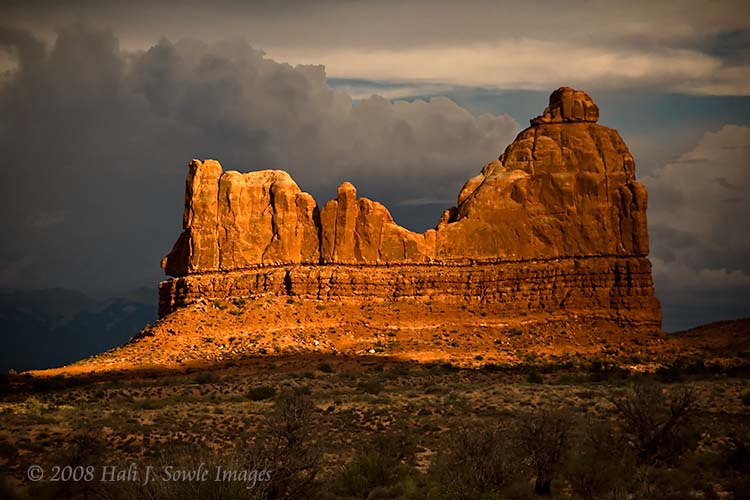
(619, 289)
(560, 203)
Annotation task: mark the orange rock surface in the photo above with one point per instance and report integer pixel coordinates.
(558, 221)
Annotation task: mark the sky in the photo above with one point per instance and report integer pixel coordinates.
(103, 104)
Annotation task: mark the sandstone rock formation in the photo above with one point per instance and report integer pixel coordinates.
(361, 231)
(234, 221)
(562, 199)
(568, 105)
(564, 187)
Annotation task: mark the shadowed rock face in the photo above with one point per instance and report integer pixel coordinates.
(564, 188)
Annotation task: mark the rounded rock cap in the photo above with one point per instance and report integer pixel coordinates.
(567, 105)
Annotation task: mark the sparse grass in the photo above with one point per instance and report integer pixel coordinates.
(356, 403)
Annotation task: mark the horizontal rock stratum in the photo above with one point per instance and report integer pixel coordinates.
(557, 222)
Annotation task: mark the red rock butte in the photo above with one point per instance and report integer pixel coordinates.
(556, 224)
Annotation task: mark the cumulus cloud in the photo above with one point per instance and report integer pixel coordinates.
(102, 135)
(695, 46)
(700, 231)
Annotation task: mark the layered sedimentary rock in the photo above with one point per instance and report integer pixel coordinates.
(600, 287)
(560, 208)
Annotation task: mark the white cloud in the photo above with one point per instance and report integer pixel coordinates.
(528, 63)
(698, 215)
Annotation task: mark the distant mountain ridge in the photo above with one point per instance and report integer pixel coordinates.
(55, 326)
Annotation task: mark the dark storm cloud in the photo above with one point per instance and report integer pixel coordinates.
(95, 140)
(25, 47)
(732, 46)
(700, 232)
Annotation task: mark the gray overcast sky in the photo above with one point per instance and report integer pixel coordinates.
(102, 104)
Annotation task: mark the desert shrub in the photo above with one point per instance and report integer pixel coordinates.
(8, 490)
(497, 367)
(379, 472)
(292, 455)
(371, 386)
(205, 378)
(193, 457)
(398, 371)
(261, 393)
(735, 465)
(325, 367)
(605, 371)
(8, 450)
(656, 424)
(147, 404)
(662, 483)
(238, 302)
(283, 450)
(600, 467)
(473, 464)
(534, 377)
(83, 448)
(542, 440)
